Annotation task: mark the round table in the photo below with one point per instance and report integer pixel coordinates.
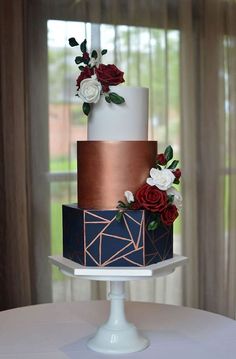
(61, 331)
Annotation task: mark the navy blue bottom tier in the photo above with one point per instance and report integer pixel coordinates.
(94, 238)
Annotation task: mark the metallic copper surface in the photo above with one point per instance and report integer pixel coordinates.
(108, 168)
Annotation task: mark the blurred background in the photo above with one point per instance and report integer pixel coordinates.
(184, 52)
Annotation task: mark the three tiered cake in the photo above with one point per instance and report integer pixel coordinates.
(113, 167)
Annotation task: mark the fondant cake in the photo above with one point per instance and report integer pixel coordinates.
(123, 217)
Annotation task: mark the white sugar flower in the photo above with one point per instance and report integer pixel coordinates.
(129, 196)
(90, 90)
(178, 199)
(162, 179)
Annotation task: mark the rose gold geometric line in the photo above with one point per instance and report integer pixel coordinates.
(130, 234)
(115, 254)
(153, 244)
(100, 233)
(168, 252)
(132, 218)
(110, 261)
(163, 235)
(100, 249)
(151, 260)
(152, 254)
(137, 264)
(97, 222)
(150, 239)
(166, 244)
(144, 238)
(95, 215)
(90, 255)
(84, 240)
(141, 227)
(118, 237)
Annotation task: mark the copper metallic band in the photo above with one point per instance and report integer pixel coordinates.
(108, 168)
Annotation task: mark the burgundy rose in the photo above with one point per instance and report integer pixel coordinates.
(161, 159)
(135, 205)
(151, 198)
(86, 73)
(169, 215)
(177, 173)
(109, 75)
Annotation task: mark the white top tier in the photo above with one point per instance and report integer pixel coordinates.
(128, 121)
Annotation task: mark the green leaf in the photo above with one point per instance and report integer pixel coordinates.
(122, 204)
(152, 226)
(73, 42)
(83, 46)
(81, 68)
(176, 181)
(94, 54)
(79, 59)
(168, 153)
(86, 108)
(107, 98)
(119, 216)
(171, 198)
(116, 98)
(104, 52)
(173, 164)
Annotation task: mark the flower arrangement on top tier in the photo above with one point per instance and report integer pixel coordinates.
(157, 195)
(95, 78)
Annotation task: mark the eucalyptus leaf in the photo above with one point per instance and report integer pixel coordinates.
(173, 164)
(119, 216)
(107, 98)
(94, 54)
(171, 198)
(86, 108)
(116, 98)
(152, 226)
(79, 59)
(81, 68)
(104, 51)
(73, 42)
(122, 204)
(83, 46)
(176, 181)
(168, 153)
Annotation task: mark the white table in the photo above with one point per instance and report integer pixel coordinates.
(61, 331)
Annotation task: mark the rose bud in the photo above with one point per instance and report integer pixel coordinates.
(169, 215)
(177, 173)
(86, 56)
(161, 159)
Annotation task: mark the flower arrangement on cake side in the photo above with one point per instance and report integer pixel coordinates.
(95, 78)
(157, 195)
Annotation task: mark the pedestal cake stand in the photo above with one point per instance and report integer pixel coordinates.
(117, 335)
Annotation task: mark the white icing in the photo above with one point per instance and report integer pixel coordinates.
(128, 121)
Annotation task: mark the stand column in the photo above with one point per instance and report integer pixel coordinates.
(117, 336)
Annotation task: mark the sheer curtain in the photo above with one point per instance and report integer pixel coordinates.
(195, 112)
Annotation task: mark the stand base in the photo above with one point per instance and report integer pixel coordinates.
(121, 341)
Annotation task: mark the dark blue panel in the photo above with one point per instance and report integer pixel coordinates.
(73, 244)
(158, 243)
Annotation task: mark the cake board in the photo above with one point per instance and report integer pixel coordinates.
(117, 335)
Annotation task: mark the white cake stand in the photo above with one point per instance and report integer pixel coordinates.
(117, 335)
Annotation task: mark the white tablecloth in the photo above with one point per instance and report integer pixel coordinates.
(61, 330)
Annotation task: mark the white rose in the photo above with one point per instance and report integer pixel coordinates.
(90, 90)
(129, 196)
(178, 199)
(162, 179)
